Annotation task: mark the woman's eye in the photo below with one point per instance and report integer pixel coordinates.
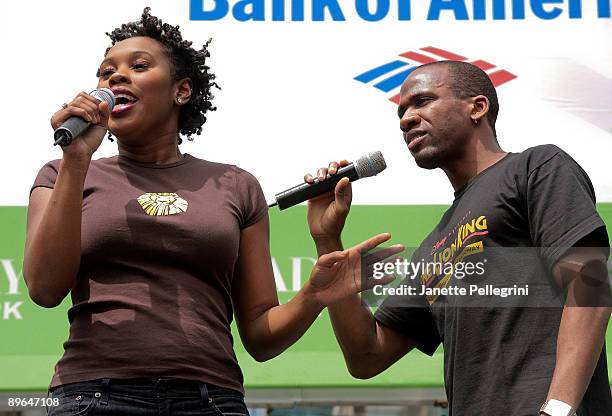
(140, 65)
(106, 72)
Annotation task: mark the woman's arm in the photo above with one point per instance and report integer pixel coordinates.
(267, 328)
(53, 237)
(53, 240)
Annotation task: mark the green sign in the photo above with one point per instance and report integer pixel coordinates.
(32, 336)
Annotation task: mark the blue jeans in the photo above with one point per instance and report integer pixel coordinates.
(146, 397)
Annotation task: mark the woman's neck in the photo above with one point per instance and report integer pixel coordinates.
(163, 150)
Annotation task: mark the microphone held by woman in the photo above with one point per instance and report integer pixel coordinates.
(74, 126)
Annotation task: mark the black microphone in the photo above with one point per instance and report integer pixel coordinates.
(74, 126)
(368, 165)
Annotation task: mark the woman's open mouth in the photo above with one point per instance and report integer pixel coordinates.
(123, 102)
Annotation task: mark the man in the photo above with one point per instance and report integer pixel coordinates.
(500, 359)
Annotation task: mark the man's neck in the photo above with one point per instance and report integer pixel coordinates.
(477, 157)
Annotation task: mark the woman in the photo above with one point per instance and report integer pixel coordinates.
(159, 249)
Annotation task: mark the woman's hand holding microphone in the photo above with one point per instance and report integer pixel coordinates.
(92, 110)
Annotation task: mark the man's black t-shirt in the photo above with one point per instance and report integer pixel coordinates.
(512, 222)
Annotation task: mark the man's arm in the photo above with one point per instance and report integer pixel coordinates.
(369, 348)
(583, 272)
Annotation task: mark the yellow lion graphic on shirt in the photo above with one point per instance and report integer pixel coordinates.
(162, 203)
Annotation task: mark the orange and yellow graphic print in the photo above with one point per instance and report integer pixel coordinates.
(453, 249)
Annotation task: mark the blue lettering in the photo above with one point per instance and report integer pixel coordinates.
(603, 8)
(538, 9)
(258, 11)
(297, 10)
(403, 11)
(518, 9)
(377, 10)
(575, 9)
(278, 10)
(480, 12)
(319, 6)
(382, 8)
(458, 6)
(197, 12)
(499, 10)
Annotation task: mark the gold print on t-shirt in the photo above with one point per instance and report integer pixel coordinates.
(162, 203)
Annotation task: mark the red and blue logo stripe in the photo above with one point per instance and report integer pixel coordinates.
(389, 77)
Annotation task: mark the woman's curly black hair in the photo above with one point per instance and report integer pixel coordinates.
(186, 62)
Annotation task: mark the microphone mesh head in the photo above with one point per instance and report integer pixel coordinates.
(104, 94)
(370, 164)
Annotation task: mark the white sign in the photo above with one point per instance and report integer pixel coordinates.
(290, 102)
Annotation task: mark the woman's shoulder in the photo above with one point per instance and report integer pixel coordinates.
(239, 173)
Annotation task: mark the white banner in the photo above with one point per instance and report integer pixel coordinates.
(299, 92)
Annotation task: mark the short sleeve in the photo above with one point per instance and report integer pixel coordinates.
(253, 206)
(411, 317)
(561, 206)
(46, 175)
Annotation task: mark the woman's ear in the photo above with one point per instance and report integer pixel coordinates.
(183, 90)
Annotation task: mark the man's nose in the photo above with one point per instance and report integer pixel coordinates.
(409, 120)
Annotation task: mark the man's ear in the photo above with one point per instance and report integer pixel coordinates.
(480, 108)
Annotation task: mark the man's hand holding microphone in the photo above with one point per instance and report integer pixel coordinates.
(341, 274)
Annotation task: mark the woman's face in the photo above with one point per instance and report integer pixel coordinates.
(139, 73)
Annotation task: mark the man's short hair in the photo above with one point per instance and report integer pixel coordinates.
(468, 80)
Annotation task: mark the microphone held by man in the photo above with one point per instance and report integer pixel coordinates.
(368, 165)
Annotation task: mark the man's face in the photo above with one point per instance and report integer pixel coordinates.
(435, 123)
